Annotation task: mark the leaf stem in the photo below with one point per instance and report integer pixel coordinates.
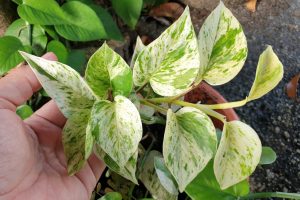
(227, 105)
(141, 88)
(156, 107)
(271, 194)
(201, 107)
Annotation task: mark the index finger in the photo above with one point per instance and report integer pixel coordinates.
(19, 85)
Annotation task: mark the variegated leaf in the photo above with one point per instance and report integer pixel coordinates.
(139, 46)
(164, 175)
(238, 154)
(268, 74)
(190, 141)
(127, 171)
(62, 83)
(77, 142)
(117, 128)
(171, 62)
(107, 71)
(222, 46)
(151, 181)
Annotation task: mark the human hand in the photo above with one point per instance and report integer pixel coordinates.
(32, 161)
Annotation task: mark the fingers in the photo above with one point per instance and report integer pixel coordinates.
(19, 85)
(51, 113)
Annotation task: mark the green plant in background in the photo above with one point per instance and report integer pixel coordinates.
(105, 110)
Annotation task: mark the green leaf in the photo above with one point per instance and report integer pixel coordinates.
(77, 142)
(41, 12)
(59, 50)
(51, 32)
(17, 1)
(205, 186)
(151, 3)
(139, 46)
(9, 55)
(151, 181)
(238, 154)
(165, 176)
(189, 143)
(24, 111)
(39, 40)
(76, 59)
(222, 46)
(117, 128)
(268, 156)
(111, 196)
(107, 71)
(268, 74)
(171, 62)
(63, 84)
(20, 29)
(111, 29)
(82, 23)
(127, 171)
(128, 10)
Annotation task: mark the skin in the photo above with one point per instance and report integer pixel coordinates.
(32, 161)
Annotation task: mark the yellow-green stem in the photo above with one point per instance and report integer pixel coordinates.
(234, 104)
(156, 107)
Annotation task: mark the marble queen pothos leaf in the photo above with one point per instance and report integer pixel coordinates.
(139, 46)
(149, 178)
(63, 84)
(171, 62)
(127, 171)
(77, 142)
(106, 70)
(222, 47)
(117, 128)
(238, 154)
(268, 74)
(190, 141)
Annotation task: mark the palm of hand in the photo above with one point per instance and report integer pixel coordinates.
(32, 164)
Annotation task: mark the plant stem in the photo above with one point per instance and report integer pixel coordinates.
(201, 107)
(158, 108)
(271, 194)
(227, 105)
(141, 88)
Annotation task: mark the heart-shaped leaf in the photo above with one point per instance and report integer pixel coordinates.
(139, 46)
(268, 74)
(151, 181)
(171, 62)
(238, 154)
(9, 55)
(268, 156)
(81, 23)
(62, 83)
(190, 141)
(41, 12)
(112, 196)
(222, 47)
(205, 186)
(164, 175)
(127, 171)
(117, 128)
(77, 142)
(19, 29)
(128, 10)
(107, 71)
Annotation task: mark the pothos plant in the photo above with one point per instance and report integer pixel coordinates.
(106, 108)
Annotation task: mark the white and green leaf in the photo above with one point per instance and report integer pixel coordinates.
(77, 142)
(238, 154)
(127, 171)
(222, 47)
(268, 74)
(117, 128)
(107, 71)
(62, 83)
(171, 62)
(190, 141)
(149, 178)
(166, 178)
(139, 46)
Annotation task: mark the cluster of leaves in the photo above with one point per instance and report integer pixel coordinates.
(105, 109)
(75, 20)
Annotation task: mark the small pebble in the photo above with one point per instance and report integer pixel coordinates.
(277, 129)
